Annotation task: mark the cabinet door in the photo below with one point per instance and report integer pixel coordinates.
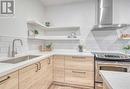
(46, 73)
(50, 71)
(79, 77)
(36, 76)
(28, 77)
(9, 81)
(59, 64)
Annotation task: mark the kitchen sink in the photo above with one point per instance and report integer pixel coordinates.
(20, 59)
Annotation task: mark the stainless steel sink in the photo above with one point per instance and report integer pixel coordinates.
(20, 59)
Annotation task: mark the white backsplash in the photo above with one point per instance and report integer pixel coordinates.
(93, 43)
(28, 45)
(64, 44)
(105, 41)
(31, 44)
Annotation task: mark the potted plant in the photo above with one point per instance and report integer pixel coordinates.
(49, 47)
(80, 47)
(126, 48)
(36, 32)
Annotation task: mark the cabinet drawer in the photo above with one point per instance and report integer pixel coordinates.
(78, 77)
(79, 63)
(9, 81)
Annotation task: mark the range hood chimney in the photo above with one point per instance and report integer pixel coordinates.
(105, 16)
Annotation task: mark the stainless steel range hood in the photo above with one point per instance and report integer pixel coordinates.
(105, 16)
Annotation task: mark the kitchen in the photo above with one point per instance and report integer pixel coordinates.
(67, 44)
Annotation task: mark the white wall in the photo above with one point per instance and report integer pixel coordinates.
(83, 14)
(75, 14)
(24, 10)
(16, 27)
(121, 11)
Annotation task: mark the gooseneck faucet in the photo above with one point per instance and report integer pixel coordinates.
(13, 46)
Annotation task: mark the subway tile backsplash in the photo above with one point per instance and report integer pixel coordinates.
(91, 43)
(32, 44)
(105, 41)
(6, 42)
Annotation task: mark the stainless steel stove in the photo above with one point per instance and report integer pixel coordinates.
(112, 56)
(110, 62)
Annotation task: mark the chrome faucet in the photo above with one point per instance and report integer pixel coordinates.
(14, 52)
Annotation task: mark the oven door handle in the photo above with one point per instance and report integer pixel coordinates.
(114, 66)
(98, 82)
(100, 67)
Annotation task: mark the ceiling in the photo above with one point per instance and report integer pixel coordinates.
(59, 2)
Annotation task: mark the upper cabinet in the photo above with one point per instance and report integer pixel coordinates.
(37, 30)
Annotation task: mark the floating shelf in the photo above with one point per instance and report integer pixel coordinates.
(64, 28)
(55, 38)
(125, 37)
(57, 31)
(36, 23)
(128, 38)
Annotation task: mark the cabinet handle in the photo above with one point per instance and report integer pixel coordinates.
(37, 67)
(79, 72)
(49, 61)
(78, 57)
(4, 80)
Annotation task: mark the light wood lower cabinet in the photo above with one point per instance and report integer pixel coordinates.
(46, 75)
(9, 81)
(79, 77)
(98, 86)
(49, 73)
(28, 77)
(36, 76)
(79, 70)
(59, 65)
(79, 63)
(74, 70)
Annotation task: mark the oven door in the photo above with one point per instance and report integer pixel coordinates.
(107, 67)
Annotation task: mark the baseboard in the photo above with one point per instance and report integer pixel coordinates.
(72, 85)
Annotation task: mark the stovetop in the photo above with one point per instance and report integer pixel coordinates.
(112, 56)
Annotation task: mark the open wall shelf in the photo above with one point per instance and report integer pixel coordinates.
(52, 33)
(55, 38)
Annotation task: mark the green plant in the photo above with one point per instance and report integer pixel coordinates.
(49, 46)
(80, 48)
(126, 47)
(36, 32)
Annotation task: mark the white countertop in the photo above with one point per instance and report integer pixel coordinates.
(116, 80)
(6, 68)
